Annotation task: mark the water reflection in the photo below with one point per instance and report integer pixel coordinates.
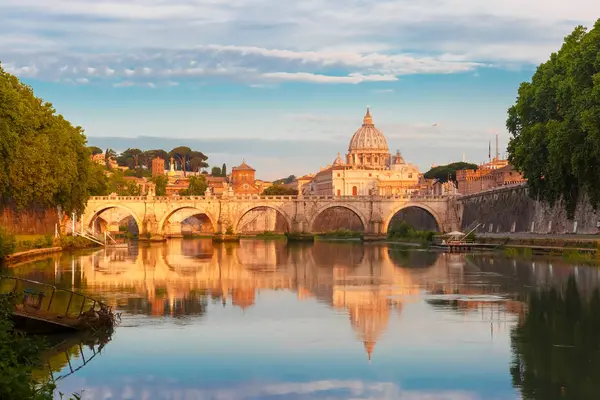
(556, 344)
(262, 319)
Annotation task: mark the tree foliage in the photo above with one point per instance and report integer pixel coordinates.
(215, 171)
(444, 172)
(279, 190)
(160, 182)
(95, 150)
(555, 123)
(284, 181)
(197, 186)
(183, 156)
(43, 158)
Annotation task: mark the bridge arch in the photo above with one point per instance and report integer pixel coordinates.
(89, 217)
(278, 210)
(421, 206)
(195, 211)
(331, 206)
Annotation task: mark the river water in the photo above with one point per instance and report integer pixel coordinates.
(329, 320)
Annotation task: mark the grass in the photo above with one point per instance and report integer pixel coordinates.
(30, 242)
(340, 234)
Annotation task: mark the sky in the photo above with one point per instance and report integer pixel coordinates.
(284, 85)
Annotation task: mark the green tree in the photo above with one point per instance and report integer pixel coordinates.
(555, 123)
(444, 172)
(183, 155)
(43, 158)
(121, 186)
(215, 171)
(278, 190)
(197, 186)
(97, 181)
(95, 150)
(109, 154)
(224, 170)
(130, 158)
(284, 181)
(160, 182)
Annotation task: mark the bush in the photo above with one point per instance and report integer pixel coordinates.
(7, 243)
(403, 230)
(342, 233)
(75, 243)
(19, 356)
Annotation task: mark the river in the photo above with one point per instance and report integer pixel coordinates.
(329, 320)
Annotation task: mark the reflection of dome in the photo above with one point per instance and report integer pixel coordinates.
(243, 298)
(370, 321)
(368, 138)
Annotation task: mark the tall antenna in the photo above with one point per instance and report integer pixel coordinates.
(497, 151)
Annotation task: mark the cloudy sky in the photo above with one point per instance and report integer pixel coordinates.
(285, 84)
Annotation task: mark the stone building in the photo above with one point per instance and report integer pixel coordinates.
(101, 159)
(496, 173)
(243, 179)
(368, 169)
(158, 166)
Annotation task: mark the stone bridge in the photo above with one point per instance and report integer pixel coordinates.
(162, 216)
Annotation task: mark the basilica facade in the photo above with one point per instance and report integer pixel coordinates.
(368, 168)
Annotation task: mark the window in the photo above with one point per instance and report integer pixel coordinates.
(409, 176)
(338, 174)
(354, 191)
(370, 174)
(339, 192)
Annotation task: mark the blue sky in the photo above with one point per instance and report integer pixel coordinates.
(285, 84)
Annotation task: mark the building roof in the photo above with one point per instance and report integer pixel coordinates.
(243, 167)
(367, 137)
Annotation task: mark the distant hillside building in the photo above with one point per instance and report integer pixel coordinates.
(243, 179)
(493, 174)
(158, 166)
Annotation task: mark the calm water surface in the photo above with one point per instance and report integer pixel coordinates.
(262, 319)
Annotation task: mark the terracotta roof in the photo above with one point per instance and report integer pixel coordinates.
(243, 166)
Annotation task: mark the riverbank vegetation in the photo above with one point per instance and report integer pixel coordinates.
(559, 110)
(340, 234)
(402, 230)
(19, 358)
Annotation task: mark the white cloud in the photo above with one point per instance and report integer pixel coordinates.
(124, 84)
(91, 70)
(82, 81)
(314, 41)
(315, 78)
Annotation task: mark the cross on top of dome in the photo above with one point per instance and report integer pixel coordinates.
(368, 120)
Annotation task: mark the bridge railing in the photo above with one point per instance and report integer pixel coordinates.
(276, 197)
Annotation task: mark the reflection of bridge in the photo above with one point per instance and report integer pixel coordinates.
(360, 280)
(163, 215)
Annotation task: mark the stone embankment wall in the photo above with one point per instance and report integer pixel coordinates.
(510, 209)
(40, 221)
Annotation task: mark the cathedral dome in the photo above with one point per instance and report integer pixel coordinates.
(368, 138)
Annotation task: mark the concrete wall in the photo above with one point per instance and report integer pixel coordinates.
(512, 210)
(40, 221)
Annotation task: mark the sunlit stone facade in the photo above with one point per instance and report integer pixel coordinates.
(369, 168)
